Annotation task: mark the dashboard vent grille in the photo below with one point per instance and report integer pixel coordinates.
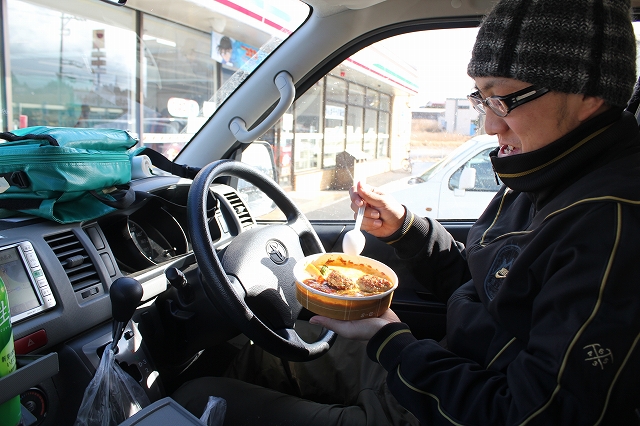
(74, 259)
(241, 210)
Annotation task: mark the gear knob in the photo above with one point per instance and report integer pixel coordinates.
(125, 294)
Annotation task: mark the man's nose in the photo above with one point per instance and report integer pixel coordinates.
(494, 124)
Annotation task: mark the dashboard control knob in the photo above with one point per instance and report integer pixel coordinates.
(176, 277)
(179, 280)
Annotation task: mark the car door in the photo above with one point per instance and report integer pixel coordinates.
(456, 202)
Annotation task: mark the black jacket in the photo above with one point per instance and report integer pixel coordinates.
(543, 318)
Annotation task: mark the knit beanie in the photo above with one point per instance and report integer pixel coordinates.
(571, 46)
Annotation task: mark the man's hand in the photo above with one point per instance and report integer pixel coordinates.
(363, 329)
(383, 215)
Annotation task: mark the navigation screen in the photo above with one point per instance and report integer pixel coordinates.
(22, 297)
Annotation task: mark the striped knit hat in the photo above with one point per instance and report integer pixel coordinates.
(572, 46)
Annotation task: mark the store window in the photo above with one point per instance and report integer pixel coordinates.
(179, 76)
(383, 134)
(355, 119)
(354, 130)
(370, 132)
(308, 129)
(372, 99)
(334, 133)
(81, 70)
(356, 95)
(336, 89)
(385, 102)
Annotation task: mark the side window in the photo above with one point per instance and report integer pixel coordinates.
(390, 117)
(398, 118)
(485, 177)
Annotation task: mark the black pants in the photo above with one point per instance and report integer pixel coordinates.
(343, 387)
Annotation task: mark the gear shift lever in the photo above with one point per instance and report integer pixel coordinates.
(125, 294)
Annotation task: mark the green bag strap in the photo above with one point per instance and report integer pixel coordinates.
(17, 178)
(10, 137)
(19, 203)
(20, 178)
(122, 198)
(163, 163)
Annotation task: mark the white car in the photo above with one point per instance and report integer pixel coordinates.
(457, 187)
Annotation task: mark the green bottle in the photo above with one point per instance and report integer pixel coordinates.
(10, 414)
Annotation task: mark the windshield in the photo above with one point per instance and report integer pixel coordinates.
(86, 70)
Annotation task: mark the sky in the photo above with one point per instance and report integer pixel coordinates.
(440, 58)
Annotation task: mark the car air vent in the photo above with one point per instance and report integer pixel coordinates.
(74, 259)
(241, 210)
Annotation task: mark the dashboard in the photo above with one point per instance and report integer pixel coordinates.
(55, 269)
(58, 278)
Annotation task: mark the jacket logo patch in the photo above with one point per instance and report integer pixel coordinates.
(598, 356)
(499, 269)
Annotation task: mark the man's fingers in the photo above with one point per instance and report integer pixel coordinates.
(371, 195)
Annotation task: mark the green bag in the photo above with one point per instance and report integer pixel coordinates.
(65, 174)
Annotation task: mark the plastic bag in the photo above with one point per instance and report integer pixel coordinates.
(112, 396)
(214, 411)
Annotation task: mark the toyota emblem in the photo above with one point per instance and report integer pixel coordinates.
(277, 252)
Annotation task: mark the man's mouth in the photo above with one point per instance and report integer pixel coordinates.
(506, 150)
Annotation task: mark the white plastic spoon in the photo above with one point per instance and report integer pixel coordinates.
(353, 241)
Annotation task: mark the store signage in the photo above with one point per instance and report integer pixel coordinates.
(332, 112)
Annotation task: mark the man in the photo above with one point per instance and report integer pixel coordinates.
(546, 329)
(543, 304)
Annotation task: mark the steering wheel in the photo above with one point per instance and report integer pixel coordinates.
(252, 281)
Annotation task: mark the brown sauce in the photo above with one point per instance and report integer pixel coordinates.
(346, 278)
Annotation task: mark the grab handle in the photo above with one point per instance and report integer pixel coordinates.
(284, 83)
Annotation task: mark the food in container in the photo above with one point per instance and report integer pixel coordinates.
(344, 287)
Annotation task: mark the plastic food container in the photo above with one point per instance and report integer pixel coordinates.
(343, 307)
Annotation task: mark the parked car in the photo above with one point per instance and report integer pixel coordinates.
(438, 192)
(310, 80)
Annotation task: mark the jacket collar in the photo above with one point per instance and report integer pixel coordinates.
(543, 171)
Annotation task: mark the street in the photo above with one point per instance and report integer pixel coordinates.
(335, 205)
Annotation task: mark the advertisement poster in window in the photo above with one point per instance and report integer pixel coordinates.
(230, 52)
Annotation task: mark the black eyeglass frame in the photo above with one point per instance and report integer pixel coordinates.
(508, 102)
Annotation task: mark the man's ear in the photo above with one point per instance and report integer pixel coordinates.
(591, 106)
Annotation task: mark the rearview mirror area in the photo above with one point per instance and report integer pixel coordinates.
(115, 2)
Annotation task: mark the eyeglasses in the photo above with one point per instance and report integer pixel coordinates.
(503, 105)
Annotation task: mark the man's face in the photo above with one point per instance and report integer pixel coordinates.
(534, 124)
